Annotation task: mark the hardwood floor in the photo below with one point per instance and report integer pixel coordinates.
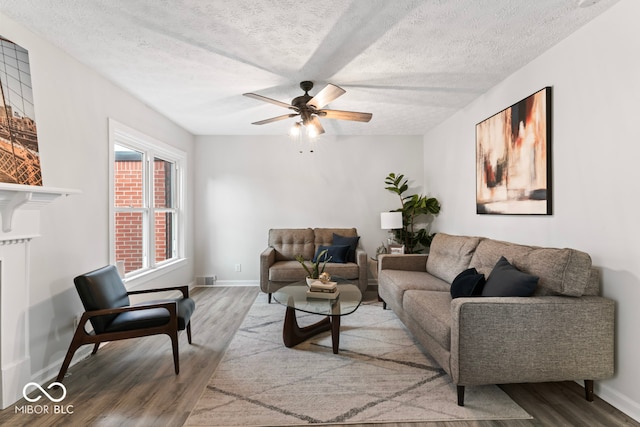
(132, 383)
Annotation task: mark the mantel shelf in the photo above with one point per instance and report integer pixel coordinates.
(16, 196)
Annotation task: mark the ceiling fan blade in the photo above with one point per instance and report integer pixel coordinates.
(269, 100)
(346, 115)
(316, 124)
(326, 95)
(274, 119)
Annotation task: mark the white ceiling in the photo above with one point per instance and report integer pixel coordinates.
(412, 63)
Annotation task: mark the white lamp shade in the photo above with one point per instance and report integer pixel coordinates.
(390, 220)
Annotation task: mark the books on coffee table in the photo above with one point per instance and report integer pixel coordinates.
(318, 286)
(323, 294)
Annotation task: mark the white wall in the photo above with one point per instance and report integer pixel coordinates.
(246, 185)
(72, 105)
(595, 75)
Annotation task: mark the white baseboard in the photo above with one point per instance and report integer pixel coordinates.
(219, 283)
(618, 400)
(13, 377)
(43, 377)
(252, 283)
(199, 283)
(50, 372)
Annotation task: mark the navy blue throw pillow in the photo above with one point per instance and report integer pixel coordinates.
(338, 253)
(469, 283)
(351, 241)
(507, 281)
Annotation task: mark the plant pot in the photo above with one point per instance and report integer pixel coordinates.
(310, 280)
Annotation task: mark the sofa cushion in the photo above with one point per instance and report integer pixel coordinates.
(561, 271)
(140, 319)
(324, 236)
(593, 284)
(449, 255)
(335, 253)
(397, 282)
(292, 271)
(289, 242)
(348, 270)
(432, 311)
(286, 271)
(352, 241)
(507, 281)
(468, 283)
(489, 251)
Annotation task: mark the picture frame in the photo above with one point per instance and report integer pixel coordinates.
(396, 249)
(513, 159)
(19, 152)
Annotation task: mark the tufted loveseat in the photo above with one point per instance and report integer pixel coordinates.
(279, 268)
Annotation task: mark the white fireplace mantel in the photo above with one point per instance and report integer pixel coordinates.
(16, 196)
(20, 207)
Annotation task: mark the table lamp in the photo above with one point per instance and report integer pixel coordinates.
(390, 221)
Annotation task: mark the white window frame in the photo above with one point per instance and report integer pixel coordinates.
(123, 135)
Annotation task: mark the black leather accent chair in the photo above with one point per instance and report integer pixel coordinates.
(113, 317)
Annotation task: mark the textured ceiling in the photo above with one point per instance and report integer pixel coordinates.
(411, 63)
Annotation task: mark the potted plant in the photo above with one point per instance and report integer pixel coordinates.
(414, 237)
(316, 271)
(380, 250)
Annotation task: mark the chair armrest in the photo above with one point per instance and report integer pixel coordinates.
(411, 262)
(268, 255)
(267, 259)
(363, 269)
(534, 339)
(170, 306)
(184, 289)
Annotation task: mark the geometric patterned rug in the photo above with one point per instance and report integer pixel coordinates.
(379, 375)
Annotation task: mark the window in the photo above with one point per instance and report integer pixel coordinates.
(146, 201)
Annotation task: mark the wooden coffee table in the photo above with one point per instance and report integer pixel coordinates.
(294, 297)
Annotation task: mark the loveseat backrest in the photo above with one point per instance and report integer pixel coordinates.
(289, 242)
(561, 271)
(324, 236)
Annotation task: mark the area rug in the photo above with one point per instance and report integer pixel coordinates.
(380, 375)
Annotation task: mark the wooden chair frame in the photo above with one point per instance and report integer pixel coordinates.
(82, 337)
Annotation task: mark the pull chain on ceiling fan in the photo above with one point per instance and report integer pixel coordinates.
(309, 108)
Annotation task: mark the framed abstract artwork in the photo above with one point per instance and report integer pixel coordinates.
(513, 159)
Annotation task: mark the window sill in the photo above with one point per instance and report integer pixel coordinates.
(135, 280)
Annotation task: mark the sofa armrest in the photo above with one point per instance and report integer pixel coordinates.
(535, 339)
(267, 259)
(363, 269)
(411, 262)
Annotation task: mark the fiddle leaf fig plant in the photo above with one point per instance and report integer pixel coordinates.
(413, 235)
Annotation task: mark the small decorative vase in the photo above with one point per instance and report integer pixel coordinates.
(325, 277)
(310, 280)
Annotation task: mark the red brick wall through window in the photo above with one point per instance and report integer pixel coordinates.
(129, 225)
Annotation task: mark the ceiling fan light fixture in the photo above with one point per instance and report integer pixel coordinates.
(309, 108)
(295, 130)
(312, 131)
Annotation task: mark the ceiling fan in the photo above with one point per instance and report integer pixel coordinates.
(309, 108)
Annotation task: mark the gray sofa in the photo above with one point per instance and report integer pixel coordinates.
(279, 268)
(564, 331)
